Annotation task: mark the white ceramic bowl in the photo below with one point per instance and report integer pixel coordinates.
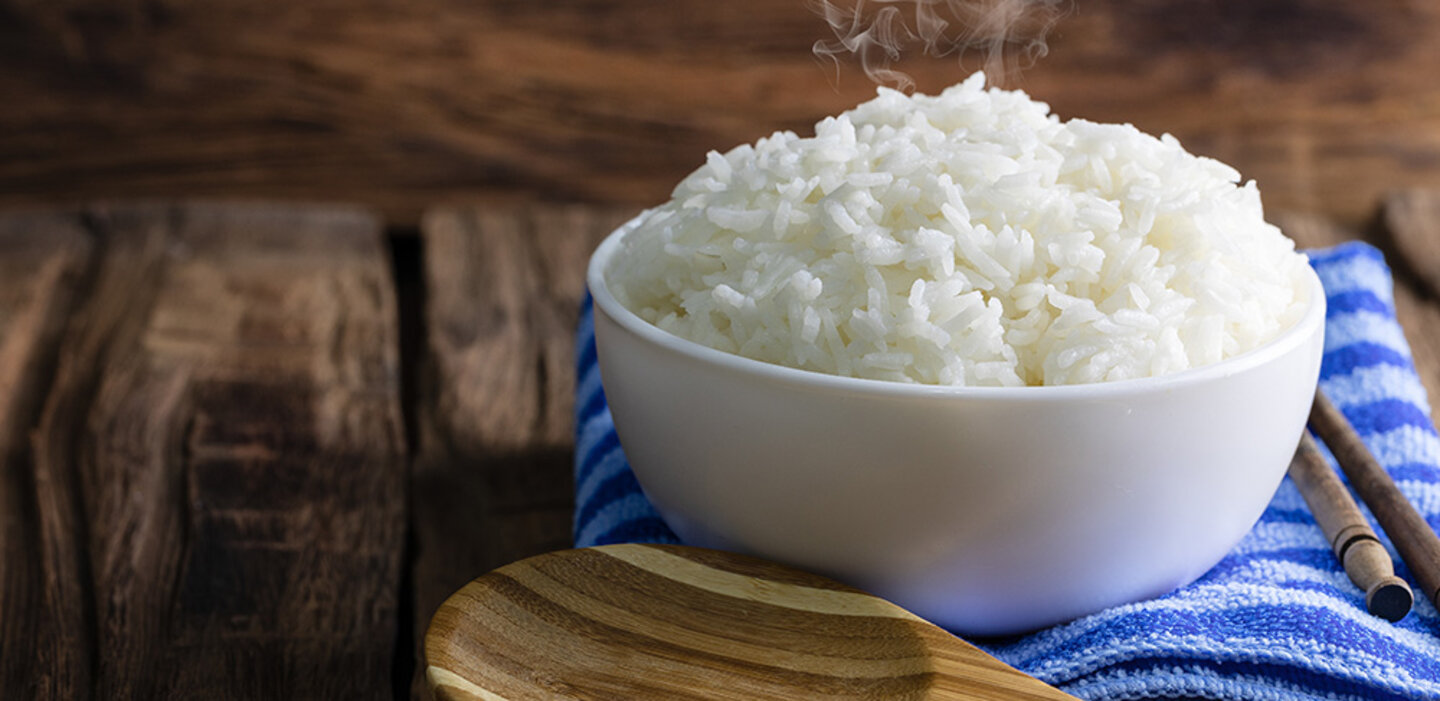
(985, 510)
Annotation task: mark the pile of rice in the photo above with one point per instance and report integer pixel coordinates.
(970, 238)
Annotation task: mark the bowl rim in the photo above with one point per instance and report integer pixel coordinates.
(1311, 323)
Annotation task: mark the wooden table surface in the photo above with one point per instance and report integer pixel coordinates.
(403, 103)
(248, 449)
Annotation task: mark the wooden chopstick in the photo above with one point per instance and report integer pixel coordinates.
(1416, 542)
(1356, 546)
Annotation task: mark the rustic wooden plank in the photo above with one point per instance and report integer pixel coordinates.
(1411, 226)
(1418, 312)
(225, 414)
(492, 481)
(44, 258)
(1412, 218)
(402, 103)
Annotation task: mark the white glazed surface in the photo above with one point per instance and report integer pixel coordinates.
(985, 510)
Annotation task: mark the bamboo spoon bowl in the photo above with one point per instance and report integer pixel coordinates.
(674, 622)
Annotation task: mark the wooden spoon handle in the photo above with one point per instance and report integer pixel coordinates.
(671, 622)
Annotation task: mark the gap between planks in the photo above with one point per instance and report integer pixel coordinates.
(492, 477)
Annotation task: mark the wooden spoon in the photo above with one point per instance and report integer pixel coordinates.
(672, 622)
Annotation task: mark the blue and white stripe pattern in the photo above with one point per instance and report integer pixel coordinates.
(609, 506)
(1276, 619)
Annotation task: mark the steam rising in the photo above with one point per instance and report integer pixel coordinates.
(1009, 34)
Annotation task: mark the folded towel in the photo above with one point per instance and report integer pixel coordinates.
(1276, 619)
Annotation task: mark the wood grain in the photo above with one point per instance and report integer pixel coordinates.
(404, 103)
(668, 622)
(43, 268)
(492, 480)
(219, 463)
(1412, 218)
(1410, 248)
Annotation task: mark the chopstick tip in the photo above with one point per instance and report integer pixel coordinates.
(1389, 598)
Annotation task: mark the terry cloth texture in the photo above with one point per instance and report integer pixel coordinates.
(1276, 619)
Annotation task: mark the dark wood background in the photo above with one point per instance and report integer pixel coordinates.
(400, 104)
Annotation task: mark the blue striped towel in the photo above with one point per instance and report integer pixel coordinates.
(1276, 619)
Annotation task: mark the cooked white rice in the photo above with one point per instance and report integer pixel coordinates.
(970, 238)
